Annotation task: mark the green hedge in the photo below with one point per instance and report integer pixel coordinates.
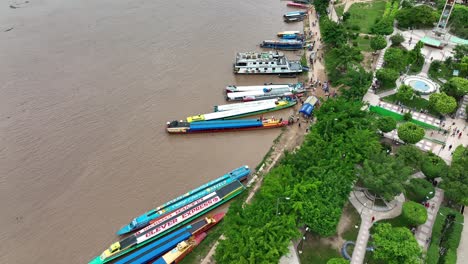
(450, 241)
(418, 189)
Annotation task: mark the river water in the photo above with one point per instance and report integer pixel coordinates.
(86, 89)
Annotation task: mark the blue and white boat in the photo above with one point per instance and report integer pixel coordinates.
(295, 14)
(187, 198)
(282, 44)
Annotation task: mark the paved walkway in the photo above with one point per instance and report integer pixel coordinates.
(461, 113)
(424, 232)
(462, 253)
(367, 210)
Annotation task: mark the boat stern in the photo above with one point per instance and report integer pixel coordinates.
(96, 260)
(218, 217)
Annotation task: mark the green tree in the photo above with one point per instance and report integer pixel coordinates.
(384, 175)
(410, 133)
(387, 77)
(333, 34)
(455, 183)
(395, 58)
(456, 87)
(460, 51)
(378, 43)
(433, 166)
(442, 103)
(395, 245)
(383, 27)
(415, 214)
(411, 156)
(337, 261)
(386, 124)
(416, 17)
(418, 189)
(397, 39)
(458, 25)
(404, 93)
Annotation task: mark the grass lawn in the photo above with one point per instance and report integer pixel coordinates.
(363, 15)
(351, 233)
(339, 10)
(313, 251)
(363, 44)
(416, 103)
(398, 117)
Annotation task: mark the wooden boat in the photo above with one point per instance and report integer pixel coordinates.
(177, 127)
(143, 220)
(181, 250)
(282, 33)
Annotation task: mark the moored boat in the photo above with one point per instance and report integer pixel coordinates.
(170, 222)
(282, 33)
(265, 94)
(282, 44)
(181, 250)
(247, 111)
(293, 19)
(295, 14)
(297, 5)
(293, 36)
(143, 220)
(161, 246)
(236, 89)
(227, 107)
(177, 127)
(265, 63)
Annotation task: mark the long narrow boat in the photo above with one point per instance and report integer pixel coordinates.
(298, 5)
(262, 95)
(236, 89)
(159, 247)
(282, 44)
(143, 220)
(247, 111)
(177, 127)
(282, 33)
(227, 107)
(181, 250)
(169, 223)
(295, 14)
(293, 36)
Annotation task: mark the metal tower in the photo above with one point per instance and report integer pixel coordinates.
(444, 17)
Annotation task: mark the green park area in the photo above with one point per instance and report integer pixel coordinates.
(364, 15)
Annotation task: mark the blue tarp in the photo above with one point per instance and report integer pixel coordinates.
(307, 109)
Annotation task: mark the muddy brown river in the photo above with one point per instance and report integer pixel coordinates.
(86, 88)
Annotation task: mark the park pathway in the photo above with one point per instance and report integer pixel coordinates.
(424, 232)
(414, 114)
(361, 244)
(461, 113)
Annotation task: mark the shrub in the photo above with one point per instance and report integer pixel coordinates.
(410, 133)
(434, 166)
(418, 189)
(366, 37)
(386, 124)
(355, 43)
(407, 116)
(355, 27)
(387, 77)
(397, 39)
(414, 213)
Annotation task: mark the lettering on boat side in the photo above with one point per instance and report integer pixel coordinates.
(180, 218)
(176, 212)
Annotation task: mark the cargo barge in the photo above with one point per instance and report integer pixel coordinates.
(143, 220)
(170, 222)
(247, 111)
(177, 127)
(158, 248)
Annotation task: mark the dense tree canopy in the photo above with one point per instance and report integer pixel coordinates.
(395, 245)
(414, 214)
(386, 124)
(397, 39)
(411, 156)
(460, 51)
(384, 175)
(395, 58)
(410, 133)
(387, 77)
(318, 179)
(455, 183)
(404, 93)
(433, 166)
(421, 16)
(378, 43)
(456, 87)
(333, 34)
(419, 190)
(458, 25)
(442, 103)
